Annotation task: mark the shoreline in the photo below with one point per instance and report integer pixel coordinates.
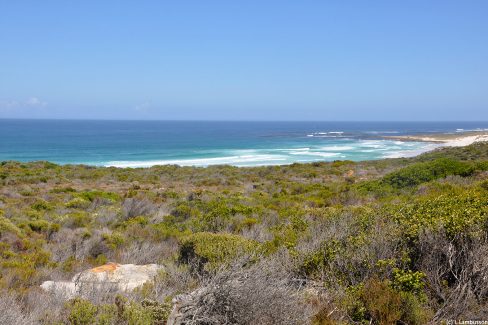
(444, 139)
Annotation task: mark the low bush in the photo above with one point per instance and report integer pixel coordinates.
(132, 207)
(427, 171)
(147, 312)
(261, 294)
(81, 312)
(78, 203)
(454, 211)
(95, 194)
(42, 205)
(6, 226)
(377, 302)
(208, 250)
(11, 311)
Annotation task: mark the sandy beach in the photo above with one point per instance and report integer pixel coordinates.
(448, 140)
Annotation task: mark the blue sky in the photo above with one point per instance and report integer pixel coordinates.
(244, 60)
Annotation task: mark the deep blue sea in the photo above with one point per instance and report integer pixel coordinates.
(190, 143)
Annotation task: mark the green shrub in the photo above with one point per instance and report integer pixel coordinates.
(318, 259)
(210, 250)
(114, 239)
(6, 226)
(247, 223)
(216, 214)
(107, 315)
(475, 151)
(375, 186)
(42, 205)
(484, 185)
(408, 281)
(184, 211)
(427, 171)
(287, 234)
(92, 195)
(482, 165)
(168, 229)
(63, 190)
(78, 219)
(84, 312)
(43, 226)
(139, 220)
(135, 314)
(69, 264)
(159, 311)
(455, 211)
(81, 312)
(340, 163)
(77, 203)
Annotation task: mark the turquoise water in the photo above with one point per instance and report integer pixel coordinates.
(147, 143)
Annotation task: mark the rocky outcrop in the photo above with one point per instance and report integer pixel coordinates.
(111, 276)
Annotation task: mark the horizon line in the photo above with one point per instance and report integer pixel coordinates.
(245, 121)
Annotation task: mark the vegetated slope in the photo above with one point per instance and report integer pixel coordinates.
(395, 240)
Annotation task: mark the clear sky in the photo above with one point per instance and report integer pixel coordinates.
(244, 60)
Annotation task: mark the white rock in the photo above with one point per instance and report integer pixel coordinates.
(119, 277)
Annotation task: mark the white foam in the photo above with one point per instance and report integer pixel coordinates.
(325, 134)
(471, 130)
(382, 132)
(337, 148)
(316, 153)
(373, 143)
(368, 150)
(294, 149)
(411, 153)
(203, 162)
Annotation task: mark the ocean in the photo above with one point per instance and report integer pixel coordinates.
(199, 143)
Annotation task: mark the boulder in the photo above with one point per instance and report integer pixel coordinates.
(111, 276)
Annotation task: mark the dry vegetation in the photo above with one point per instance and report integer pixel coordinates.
(400, 241)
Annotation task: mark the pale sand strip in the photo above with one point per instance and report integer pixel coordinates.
(448, 140)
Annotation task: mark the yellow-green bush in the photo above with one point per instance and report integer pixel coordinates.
(6, 226)
(77, 203)
(211, 250)
(454, 211)
(92, 195)
(82, 312)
